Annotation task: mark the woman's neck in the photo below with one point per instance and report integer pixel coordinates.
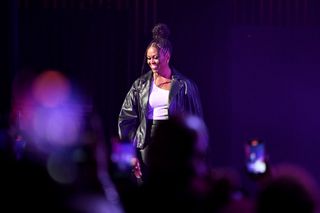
(166, 73)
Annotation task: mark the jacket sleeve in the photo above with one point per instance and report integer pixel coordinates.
(128, 120)
(193, 101)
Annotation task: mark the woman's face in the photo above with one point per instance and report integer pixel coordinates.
(156, 59)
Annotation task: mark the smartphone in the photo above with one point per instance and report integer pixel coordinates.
(123, 153)
(256, 161)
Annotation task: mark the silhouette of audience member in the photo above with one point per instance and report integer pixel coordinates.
(226, 193)
(63, 165)
(71, 179)
(178, 169)
(93, 189)
(290, 189)
(26, 186)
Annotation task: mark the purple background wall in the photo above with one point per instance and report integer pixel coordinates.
(274, 92)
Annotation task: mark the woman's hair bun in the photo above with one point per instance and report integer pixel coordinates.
(160, 31)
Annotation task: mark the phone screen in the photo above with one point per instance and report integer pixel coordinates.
(122, 155)
(256, 157)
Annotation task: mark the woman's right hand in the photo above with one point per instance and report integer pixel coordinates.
(136, 168)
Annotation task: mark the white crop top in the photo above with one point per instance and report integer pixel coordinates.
(158, 103)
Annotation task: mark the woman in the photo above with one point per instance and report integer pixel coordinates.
(155, 96)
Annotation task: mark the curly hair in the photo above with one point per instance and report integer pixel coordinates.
(160, 41)
(160, 35)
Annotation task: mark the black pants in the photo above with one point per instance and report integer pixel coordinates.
(143, 153)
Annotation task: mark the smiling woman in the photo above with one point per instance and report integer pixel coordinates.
(155, 96)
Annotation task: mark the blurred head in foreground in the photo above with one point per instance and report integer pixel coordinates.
(179, 148)
(290, 189)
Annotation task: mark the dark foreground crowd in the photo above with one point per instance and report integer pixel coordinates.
(85, 177)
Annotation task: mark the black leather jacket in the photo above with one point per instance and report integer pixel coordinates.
(132, 121)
